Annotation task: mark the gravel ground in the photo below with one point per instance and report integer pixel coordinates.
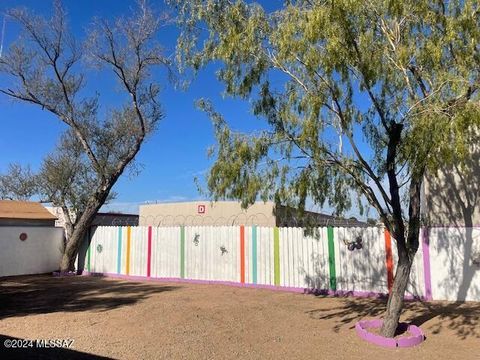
(153, 320)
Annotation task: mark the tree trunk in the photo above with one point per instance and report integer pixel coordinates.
(84, 221)
(406, 254)
(407, 241)
(395, 300)
(80, 229)
(71, 249)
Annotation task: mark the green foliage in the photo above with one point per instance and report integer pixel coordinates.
(371, 90)
(19, 183)
(65, 177)
(48, 67)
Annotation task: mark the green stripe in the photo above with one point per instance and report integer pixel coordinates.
(182, 252)
(276, 256)
(88, 250)
(331, 259)
(254, 254)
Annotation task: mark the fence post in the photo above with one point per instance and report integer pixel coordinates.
(331, 259)
(254, 254)
(426, 263)
(182, 252)
(129, 236)
(242, 254)
(149, 251)
(119, 251)
(89, 235)
(276, 256)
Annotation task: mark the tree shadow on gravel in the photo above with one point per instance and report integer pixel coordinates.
(44, 294)
(43, 353)
(462, 318)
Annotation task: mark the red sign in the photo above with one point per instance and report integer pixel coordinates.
(201, 209)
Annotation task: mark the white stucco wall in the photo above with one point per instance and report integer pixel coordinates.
(39, 253)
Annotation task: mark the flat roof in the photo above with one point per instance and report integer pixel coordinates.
(201, 202)
(27, 210)
(115, 214)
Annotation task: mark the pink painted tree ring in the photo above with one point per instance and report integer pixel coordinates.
(416, 334)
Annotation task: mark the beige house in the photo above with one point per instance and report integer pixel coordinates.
(206, 213)
(25, 213)
(227, 213)
(29, 241)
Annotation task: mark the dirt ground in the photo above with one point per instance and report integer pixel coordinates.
(153, 320)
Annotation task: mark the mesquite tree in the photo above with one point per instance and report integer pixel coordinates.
(48, 67)
(359, 97)
(19, 183)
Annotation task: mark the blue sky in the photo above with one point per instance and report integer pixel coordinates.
(170, 159)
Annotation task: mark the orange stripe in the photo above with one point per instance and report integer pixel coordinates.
(389, 260)
(242, 254)
(129, 236)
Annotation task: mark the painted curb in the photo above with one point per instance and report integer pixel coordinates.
(309, 291)
(403, 342)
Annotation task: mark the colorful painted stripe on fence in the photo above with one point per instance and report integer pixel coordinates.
(182, 252)
(389, 260)
(119, 251)
(426, 263)
(331, 259)
(276, 256)
(254, 254)
(250, 263)
(149, 251)
(127, 262)
(242, 254)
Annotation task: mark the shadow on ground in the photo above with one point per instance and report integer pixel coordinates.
(461, 318)
(43, 294)
(42, 353)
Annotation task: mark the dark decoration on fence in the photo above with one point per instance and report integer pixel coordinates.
(223, 249)
(352, 245)
(476, 258)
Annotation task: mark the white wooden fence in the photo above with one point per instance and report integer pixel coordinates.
(444, 267)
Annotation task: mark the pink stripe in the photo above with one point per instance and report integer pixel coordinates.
(149, 251)
(338, 293)
(426, 263)
(453, 226)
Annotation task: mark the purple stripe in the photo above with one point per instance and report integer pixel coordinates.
(196, 281)
(338, 293)
(426, 263)
(441, 226)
